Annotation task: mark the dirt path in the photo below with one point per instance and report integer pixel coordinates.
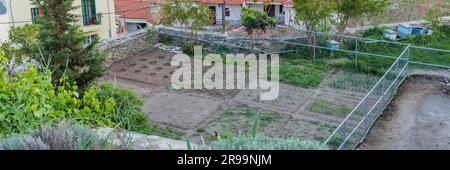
(419, 118)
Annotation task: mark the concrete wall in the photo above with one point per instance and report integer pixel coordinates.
(235, 13)
(20, 11)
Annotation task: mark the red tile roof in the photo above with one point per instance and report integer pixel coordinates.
(240, 2)
(232, 2)
(136, 9)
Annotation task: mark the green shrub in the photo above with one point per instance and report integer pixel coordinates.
(62, 137)
(129, 113)
(29, 100)
(151, 33)
(247, 142)
(375, 33)
(187, 49)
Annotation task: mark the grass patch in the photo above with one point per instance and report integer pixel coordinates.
(440, 39)
(329, 108)
(167, 132)
(353, 81)
(302, 72)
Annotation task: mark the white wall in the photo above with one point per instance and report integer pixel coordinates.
(4, 19)
(235, 13)
(290, 17)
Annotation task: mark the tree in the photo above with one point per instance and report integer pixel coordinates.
(22, 41)
(313, 14)
(187, 15)
(62, 44)
(254, 20)
(433, 16)
(348, 10)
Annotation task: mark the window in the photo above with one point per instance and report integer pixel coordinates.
(89, 12)
(89, 39)
(281, 9)
(35, 12)
(227, 12)
(155, 8)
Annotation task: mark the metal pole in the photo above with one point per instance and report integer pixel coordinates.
(109, 16)
(356, 54)
(12, 13)
(314, 46)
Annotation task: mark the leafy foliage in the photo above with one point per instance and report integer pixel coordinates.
(29, 100)
(129, 113)
(255, 20)
(62, 44)
(22, 41)
(433, 16)
(348, 10)
(186, 15)
(151, 33)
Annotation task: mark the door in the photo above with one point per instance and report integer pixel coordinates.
(270, 10)
(213, 14)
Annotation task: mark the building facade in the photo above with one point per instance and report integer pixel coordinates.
(233, 9)
(134, 15)
(97, 17)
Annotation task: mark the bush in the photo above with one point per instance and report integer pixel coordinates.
(62, 137)
(247, 142)
(374, 33)
(151, 33)
(187, 49)
(129, 113)
(29, 100)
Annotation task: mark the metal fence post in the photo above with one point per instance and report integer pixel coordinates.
(314, 46)
(356, 54)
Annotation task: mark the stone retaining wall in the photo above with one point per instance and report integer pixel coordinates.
(124, 46)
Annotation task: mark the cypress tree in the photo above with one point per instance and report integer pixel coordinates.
(61, 43)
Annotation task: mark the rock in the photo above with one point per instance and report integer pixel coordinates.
(141, 141)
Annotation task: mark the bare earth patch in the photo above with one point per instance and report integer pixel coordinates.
(180, 110)
(419, 118)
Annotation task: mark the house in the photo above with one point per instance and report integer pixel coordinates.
(273, 8)
(233, 9)
(3, 19)
(97, 17)
(134, 15)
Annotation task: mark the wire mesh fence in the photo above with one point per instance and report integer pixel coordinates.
(389, 60)
(357, 124)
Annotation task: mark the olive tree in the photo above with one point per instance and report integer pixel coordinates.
(186, 15)
(313, 15)
(348, 10)
(254, 20)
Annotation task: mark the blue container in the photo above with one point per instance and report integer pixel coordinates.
(334, 45)
(419, 30)
(404, 30)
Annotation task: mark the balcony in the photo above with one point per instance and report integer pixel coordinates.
(89, 20)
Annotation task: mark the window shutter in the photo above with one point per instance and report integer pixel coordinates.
(34, 14)
(93, 10)
(85, 12)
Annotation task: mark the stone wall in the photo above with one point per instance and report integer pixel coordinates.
(124, 46)
(212, 39)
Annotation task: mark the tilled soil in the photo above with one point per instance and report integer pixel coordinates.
(198, 112)
(419, 118)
